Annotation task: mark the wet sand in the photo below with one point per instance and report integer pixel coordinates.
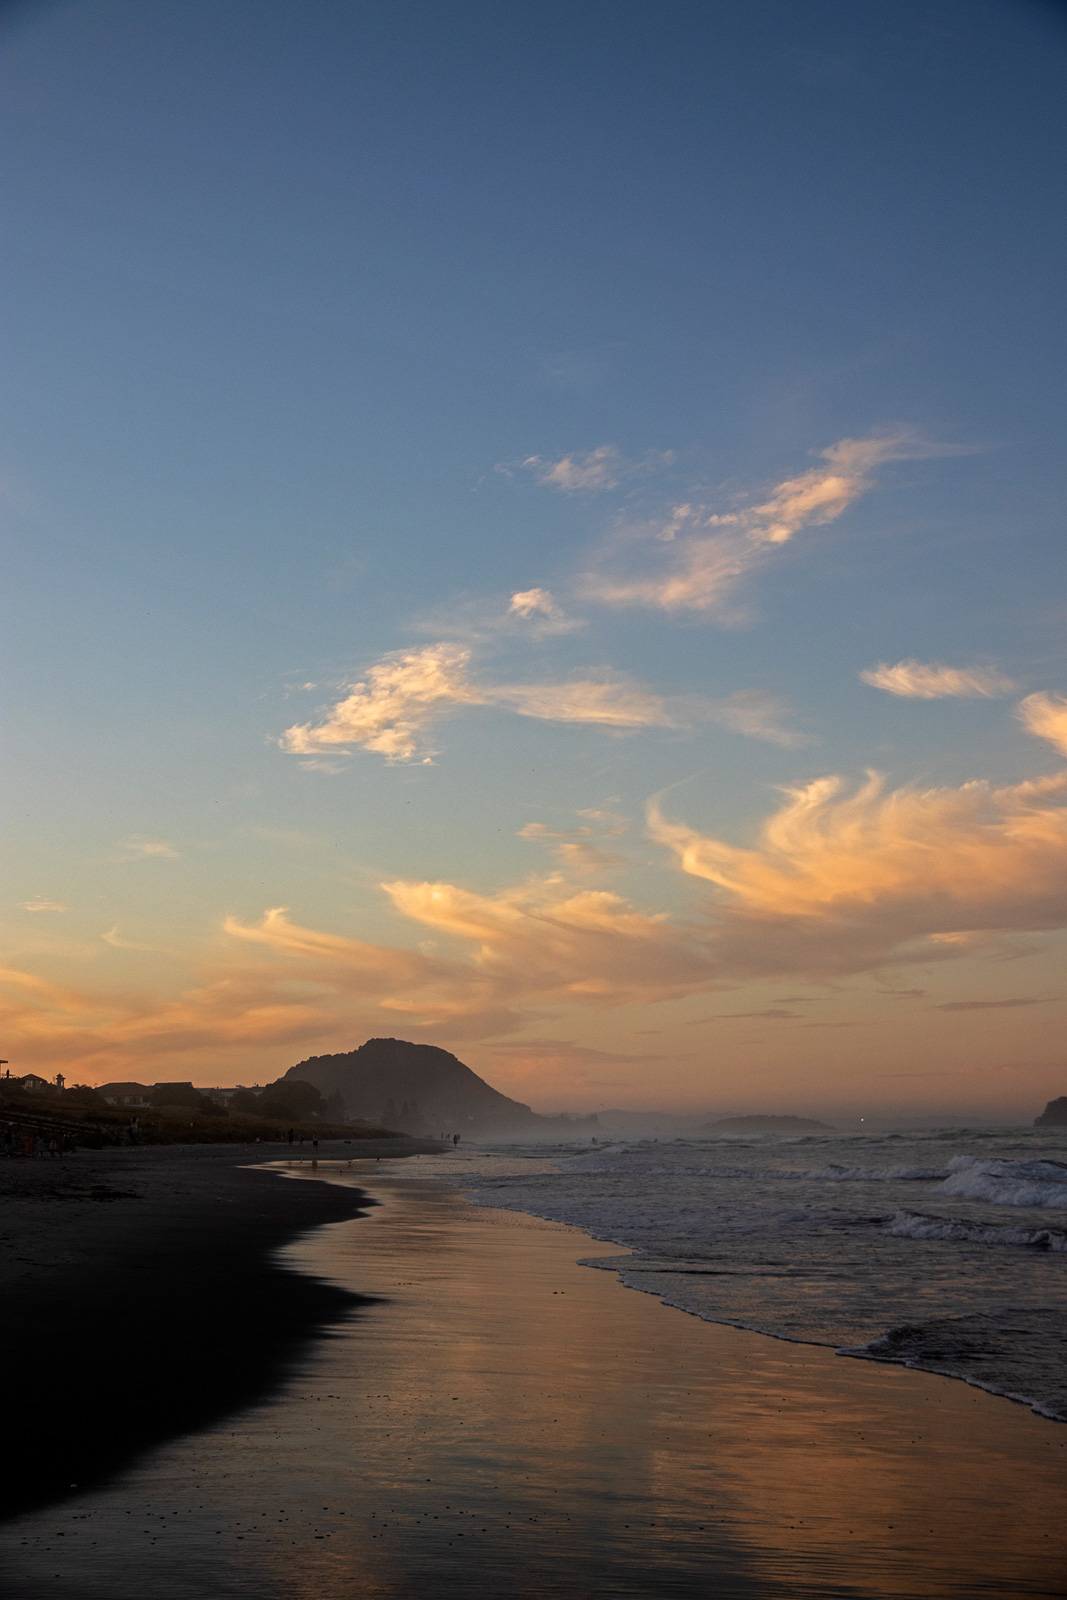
(494, 1419)
(139, 1299)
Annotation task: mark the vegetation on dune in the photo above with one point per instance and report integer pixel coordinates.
(177, 1113)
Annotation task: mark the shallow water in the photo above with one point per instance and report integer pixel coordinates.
(958, 1236)
(502, 1421)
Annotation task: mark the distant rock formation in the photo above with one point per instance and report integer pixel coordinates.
(423, 1090)
(762, 1124)
(1054, 1114)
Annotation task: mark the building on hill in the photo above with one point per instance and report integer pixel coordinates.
(33, 1083)
(125, 1094)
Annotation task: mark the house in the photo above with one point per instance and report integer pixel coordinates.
(32, 1084)
(125, 1094)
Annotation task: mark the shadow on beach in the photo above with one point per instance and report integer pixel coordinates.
(143, 1299)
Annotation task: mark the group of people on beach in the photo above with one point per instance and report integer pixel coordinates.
(33, 1143)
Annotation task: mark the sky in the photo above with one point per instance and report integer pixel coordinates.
(539, 529)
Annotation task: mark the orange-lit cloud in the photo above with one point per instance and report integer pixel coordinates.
(577, 849)
(545, 939)
(1045, 716)
(915, 681)
(609, 703)
(694, 560)
(388, 710)
(843, 880)
(406, 691)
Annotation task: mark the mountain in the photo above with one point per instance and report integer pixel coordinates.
(421, 1089)
(1054, 1114)
(762, 1124)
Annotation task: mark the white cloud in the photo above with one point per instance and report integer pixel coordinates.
(1045, 716)
(698, 556)
(917, 681)
(38, 904)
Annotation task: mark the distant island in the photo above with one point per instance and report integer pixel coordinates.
(763, 1124)
(1054, 1114)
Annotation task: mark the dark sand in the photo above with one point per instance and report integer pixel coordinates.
(499, 1421)
(139, 1299)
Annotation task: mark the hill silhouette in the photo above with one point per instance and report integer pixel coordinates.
(423, 1090)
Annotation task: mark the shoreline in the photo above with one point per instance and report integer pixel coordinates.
(142, 1298)
(497, 1419)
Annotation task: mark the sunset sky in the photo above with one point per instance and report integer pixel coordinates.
(539, 528)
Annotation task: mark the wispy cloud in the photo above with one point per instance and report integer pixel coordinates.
(138, 847)
(756, 714)
(545, 939)
(603, 468)
(1045, 716)
(915, 680)
(613, 702)
(527, 616)
(579, 850)
(694, 559)
(38, 904)
(388, 711)
(845, 880)
(402, 695)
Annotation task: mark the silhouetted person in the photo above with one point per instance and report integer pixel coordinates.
(455, 1138)
(290, 1138)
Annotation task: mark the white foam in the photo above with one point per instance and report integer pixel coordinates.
(915, 1225)
(1035, 1184)
(826, 1254)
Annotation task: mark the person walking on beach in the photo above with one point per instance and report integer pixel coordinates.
(290, 1138)
(455, 1139)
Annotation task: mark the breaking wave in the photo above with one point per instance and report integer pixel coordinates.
(915, 1225)
(1009, 1183)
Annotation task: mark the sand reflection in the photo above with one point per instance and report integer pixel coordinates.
(504, 1422)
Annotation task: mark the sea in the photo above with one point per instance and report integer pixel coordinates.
(944, 1250)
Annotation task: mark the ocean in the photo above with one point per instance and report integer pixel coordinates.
(943, 1250)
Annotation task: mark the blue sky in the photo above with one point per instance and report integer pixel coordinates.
(332, 329)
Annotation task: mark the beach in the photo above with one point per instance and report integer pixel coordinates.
(139, 1299)
(488, 1417)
